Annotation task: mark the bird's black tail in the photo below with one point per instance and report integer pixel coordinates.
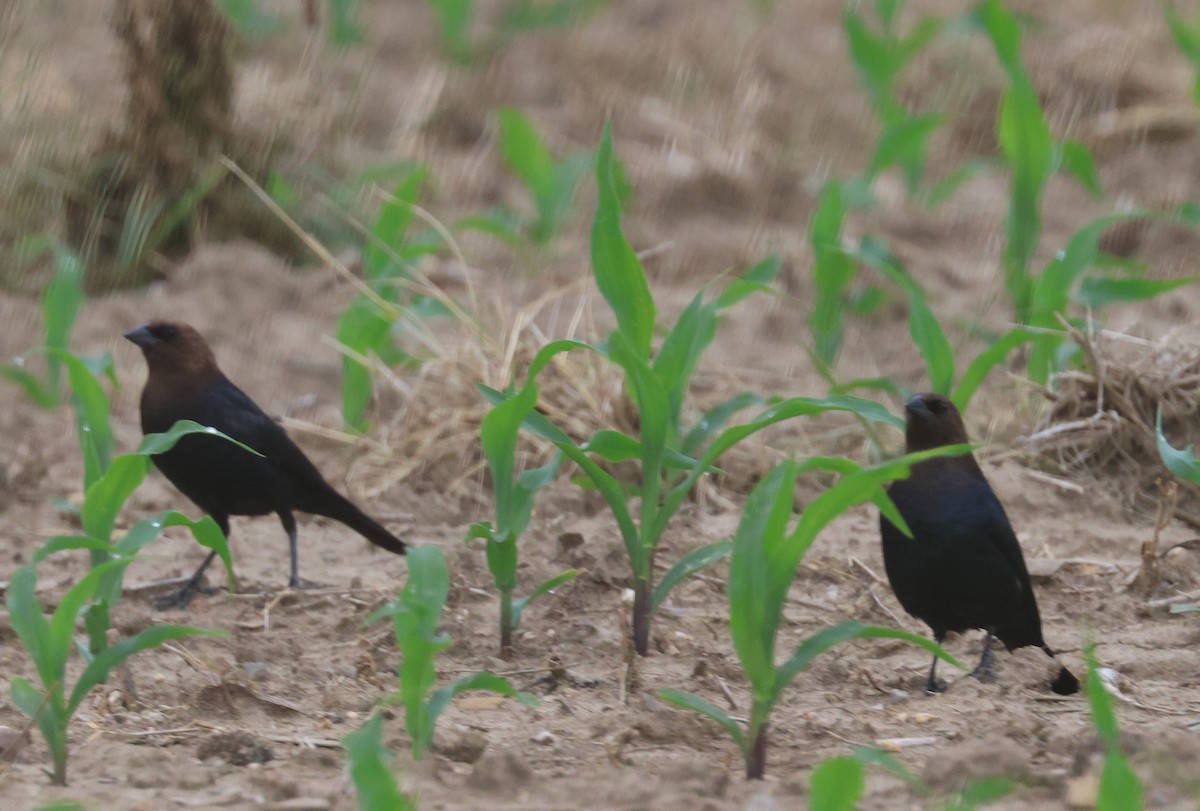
(1065, 683)
(337, 507)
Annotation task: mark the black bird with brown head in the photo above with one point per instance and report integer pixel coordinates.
(185, 383)
(963, 568)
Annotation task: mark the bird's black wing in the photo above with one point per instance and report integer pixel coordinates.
(230, 410)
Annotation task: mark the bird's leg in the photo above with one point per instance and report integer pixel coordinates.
(983, 670)
(289, 526)
(931, 683)
(181, 598)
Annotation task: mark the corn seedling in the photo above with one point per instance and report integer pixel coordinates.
(49, 643)
(1187, 38)
(514, 505)
(365, 327)
(671, 457)
(102, 502)
(880, 52)
(1030, 154)
(761, 569)
(415, 616)
(61, 301)
(551, 182)
(456, 18)
(373, 781)
(1120, 789)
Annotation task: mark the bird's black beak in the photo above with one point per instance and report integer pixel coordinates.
(916, 408)
(142, 336)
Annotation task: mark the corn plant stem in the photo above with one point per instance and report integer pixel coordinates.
(506, 626)
(756, 755)
(643, 587)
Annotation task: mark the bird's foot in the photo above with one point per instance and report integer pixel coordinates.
(933, 687)
(299, 584)
(183, 597)
(985, 674)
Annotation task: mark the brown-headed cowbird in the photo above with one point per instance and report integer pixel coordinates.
(223, 479)
(963, 567)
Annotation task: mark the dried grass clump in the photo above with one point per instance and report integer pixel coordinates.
(1101, 423)
(427, 425)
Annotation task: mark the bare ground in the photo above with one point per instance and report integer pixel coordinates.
(727, 126)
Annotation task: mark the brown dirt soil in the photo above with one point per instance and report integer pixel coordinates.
(727, 126)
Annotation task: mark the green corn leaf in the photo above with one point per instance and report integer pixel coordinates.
(568, 174)
(715, 418)
(374, 783)
(855, 487)
(98, 669)
(499, 436)
(1076, 158)
(956, 178)
(441, 698)
(388, 232)
(609, 488)
(69, 608)
(616, 268)
(543, 588)
(686, 566)
(26, 618)
(249, 18)
(872, 756)
(987, 360)
(527, 15)
(904, 143)
(922, 324)
(46, 710)
(1180, 462)
(344, 29)
(1120, 789)
(613, 446)
(64, 543)
(60, 306)
(1101, 291)
(870, 383)
(1001, 27)
(832, 272)
(754, 279)
(204, 529)
(755, 601)
(502, 223)
(676, 359)
(108, 494)
(837, 785)
(655, 429)
(91, 415)
(826, 638)
(454, 21)
(526, 156)
(37, 391)
(699, 705)
(161, 443)
(980, 792)
(363, 329)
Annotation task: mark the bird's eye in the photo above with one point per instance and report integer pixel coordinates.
(165, 332)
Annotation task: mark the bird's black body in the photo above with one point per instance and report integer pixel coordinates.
(963, 567)
(220, 477)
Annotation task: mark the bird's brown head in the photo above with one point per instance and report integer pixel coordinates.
(931, 422)
(175, 350)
